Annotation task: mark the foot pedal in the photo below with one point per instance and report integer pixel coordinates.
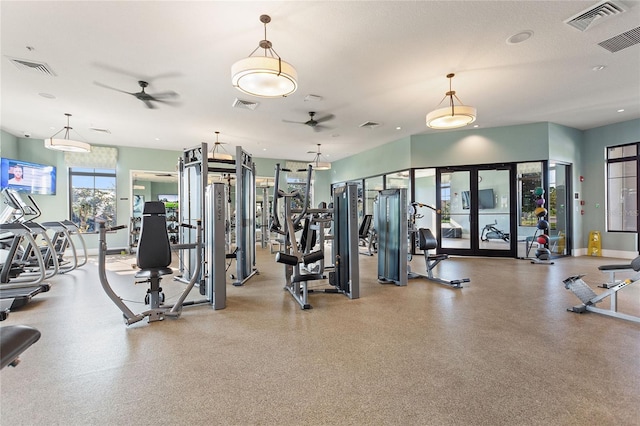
(580, 288)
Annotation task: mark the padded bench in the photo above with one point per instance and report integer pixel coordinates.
(14, 340)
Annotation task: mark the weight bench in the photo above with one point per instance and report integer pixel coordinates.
(590, 299)
(427, 241)
(612, 270)
(14, 340)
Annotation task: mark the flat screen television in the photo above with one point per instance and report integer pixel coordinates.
(27, 177)
(486, 199)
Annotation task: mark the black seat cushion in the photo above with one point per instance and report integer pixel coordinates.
(154, 250)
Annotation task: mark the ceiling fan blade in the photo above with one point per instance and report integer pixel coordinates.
(97, 83)
(325, 118)
(164, 95)
(171, 103)
(319, 128)
(294, 122)
(149, 104)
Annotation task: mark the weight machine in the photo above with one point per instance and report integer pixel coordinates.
(208, 202)
(153, 257)
(392, 227)
(426, 242)
(297, 256)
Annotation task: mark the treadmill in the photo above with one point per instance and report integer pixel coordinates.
(18, 294)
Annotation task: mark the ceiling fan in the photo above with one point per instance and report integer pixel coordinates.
(145, 97)
(312, 122)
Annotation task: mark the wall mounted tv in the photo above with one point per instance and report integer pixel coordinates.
(486, 199)
(31, 178)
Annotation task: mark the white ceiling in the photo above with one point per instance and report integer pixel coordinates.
(384, 62)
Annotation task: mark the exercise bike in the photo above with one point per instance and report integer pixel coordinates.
(490, 232)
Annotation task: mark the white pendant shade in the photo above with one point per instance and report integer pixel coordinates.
(451, 117)
(320, 165)
(68, 145)
(65, 143)
(264, 76)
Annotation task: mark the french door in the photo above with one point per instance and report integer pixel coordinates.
(478, 215)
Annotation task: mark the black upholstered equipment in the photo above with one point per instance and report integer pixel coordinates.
(14, 340)
(428, 242)
(154, 251)
(365, 227)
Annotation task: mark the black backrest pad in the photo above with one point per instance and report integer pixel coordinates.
(365, 226)
(427, 240)
(154, 250)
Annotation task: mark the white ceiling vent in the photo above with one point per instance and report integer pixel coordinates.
(369, 125)
(33, 66)
(622, 41)
(99, 130)
(239, 103)
(596, 14)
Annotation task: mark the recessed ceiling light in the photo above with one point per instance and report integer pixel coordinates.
(520, 37)
(599, 67)
(398, 128)
(476, 125)
(157, 139)
(47, 95)
(621, 110)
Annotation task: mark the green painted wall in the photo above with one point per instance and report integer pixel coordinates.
(593, 188)
(391, 157)
(565, 146)
(527, 142)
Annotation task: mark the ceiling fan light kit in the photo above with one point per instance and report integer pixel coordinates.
(453, 116)
(265, 76)
(65, 143)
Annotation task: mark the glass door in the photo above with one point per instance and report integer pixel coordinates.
(559, 200)
(495, 213)
(477, 212)
(455, 218)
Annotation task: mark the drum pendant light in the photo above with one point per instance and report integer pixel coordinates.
(266, 76)
(66, 143)
(453, 116)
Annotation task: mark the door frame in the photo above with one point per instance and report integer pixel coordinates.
(474, 231)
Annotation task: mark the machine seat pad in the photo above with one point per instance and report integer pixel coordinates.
(427, 239)
(14, 340)
(153, 272)
(307, 277)
(438, 256)
(618, 267)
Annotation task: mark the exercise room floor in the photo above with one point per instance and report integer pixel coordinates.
(501, 351)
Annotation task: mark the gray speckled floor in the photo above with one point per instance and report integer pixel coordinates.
(501, 351)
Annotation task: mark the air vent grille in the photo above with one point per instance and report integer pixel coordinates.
(595, 14)
(38, 67)
(239, 103)
(622, 41)
(96, 129)
(369, 125)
